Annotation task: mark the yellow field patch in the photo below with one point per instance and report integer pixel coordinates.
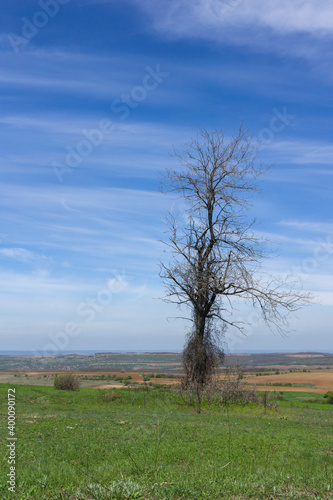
(321, 379)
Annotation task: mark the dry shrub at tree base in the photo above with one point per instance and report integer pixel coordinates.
(201, 358)
(67, 382)
(233, 389)
(230, 390)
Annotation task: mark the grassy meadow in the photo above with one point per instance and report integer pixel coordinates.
(139, 444)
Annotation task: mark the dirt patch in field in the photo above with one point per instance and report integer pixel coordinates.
(322, 380)
(290, 389)
(105, 386)
(41, 374)
(166, 381)
(285, 368)
(166, 365)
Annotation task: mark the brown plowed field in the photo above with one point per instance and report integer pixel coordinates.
(321, 379)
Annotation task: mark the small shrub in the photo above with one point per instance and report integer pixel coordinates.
(113, 396)
(67, 382)
(328, 398)
(265, 399)
(280, 397)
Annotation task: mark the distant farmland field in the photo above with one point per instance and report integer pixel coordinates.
(319, 381)
(157, 362)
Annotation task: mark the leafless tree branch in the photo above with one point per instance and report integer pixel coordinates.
(216, 253)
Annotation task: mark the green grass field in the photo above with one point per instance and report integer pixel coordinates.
(146, 445)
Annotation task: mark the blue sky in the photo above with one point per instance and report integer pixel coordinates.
(94, 96)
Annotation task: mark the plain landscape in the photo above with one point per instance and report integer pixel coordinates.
(131, 433)
(166, 250)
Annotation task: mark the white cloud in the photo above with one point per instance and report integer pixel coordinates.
(40, 265)
(182, 17)
(19, 254)
(281, 16)
(305, 152)
(70, 72)
(317, 227)
(259, 23)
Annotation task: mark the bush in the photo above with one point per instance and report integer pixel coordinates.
(67, 382)
(280, 397)
(113, 396)
(328, 398)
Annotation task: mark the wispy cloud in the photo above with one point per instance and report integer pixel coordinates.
(304, 152)
(39, 264)
(265, 25)
(182, 17)
(316, 227)
(228, 60)
(20, 254)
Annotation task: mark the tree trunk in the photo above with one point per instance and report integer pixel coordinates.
(197, 358)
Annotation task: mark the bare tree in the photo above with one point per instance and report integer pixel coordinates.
(217, 254)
